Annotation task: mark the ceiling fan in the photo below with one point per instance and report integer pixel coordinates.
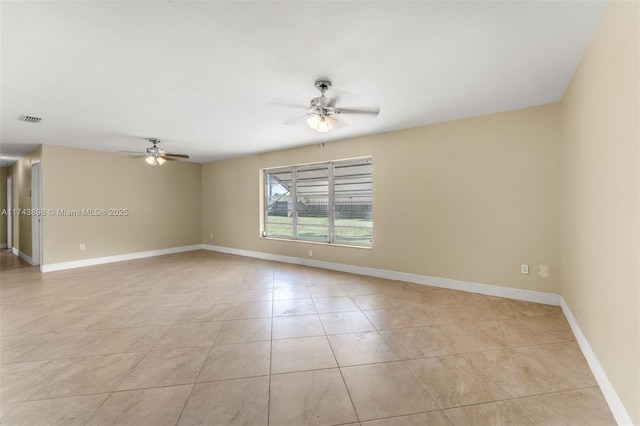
(322, 110)
(157, 156)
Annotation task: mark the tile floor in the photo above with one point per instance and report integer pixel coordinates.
(214, 339)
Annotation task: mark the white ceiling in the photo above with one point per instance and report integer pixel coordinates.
(199, 75)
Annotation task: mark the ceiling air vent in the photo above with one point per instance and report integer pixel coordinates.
(30, 119)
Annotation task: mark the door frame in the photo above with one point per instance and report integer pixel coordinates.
(9, 208)
(36, 219)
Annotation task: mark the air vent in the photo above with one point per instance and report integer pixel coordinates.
(30, 119)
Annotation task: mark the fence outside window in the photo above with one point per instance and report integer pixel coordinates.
(325, 202)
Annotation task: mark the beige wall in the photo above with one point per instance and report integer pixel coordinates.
(468, 200)
(163, 202)
(3, 204)
(20, 172)
(601, 213)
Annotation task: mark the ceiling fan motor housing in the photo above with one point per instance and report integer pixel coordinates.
(323, 85)
(323, 102)
(154, 150)
(322, 105)
(322, 111)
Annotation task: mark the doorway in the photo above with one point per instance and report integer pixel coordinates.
(36, 219)
(9, 215)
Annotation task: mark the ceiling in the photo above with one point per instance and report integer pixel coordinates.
(200, 75)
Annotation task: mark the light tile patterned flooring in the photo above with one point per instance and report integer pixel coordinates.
(214, 339)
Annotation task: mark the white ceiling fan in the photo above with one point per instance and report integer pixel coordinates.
(321, 112)
(157, 156)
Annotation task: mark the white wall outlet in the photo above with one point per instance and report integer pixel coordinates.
(211, 235)
(82, 247)
(524, 269)
(310, 253)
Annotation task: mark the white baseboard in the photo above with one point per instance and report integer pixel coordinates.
(617, 409)
(22, 256)
(610, 395)
(491, 290)
(117, 258)
(3, 245)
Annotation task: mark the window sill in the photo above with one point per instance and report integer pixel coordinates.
(318, 243)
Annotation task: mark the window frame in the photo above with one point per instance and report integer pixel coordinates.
(293, 194)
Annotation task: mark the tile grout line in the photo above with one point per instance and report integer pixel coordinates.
(411, 372)
(184, 405)
(273, 291)
(340, 370)
(485, 374)
(248, 268)
(124, 376)
(404, 415)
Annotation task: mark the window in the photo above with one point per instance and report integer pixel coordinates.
(324, 202)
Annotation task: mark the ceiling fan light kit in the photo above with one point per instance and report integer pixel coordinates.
(322, 110)
(156, 156)
(155, 160)
(322, 124)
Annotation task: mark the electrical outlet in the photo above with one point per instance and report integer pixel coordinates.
(524, 269)
(211, 235)
(82, 247)
(310, 253)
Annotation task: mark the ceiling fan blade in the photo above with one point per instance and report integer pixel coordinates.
(133, 154)
(296, 120)
(167, 155)
(281, 104)
(367, 111)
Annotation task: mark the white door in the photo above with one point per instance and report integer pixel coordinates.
(36, 205)
(9, 216)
